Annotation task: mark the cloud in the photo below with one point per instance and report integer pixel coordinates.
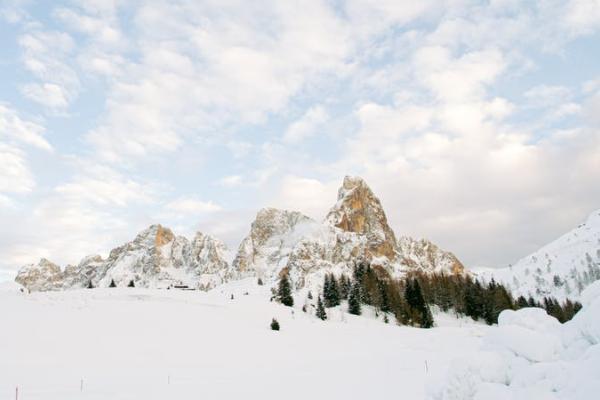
(48, 94)
(14, 127)
(16, 136)
(191, 206)
(104, 186)
(15, 176)
(582, 16)
(46, 55)
(231, 181)
(448, 109)
(307, 125)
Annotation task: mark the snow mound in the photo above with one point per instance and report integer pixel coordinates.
(531, 356)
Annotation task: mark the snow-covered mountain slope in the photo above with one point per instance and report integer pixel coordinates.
(155, 258)
(355, 229)
(562, 268)
(149, 344)
(530, 355)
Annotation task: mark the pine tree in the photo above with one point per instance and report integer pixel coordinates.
(384, 304)
(284, 291)
(522, 302)
(112, 284)
(354, 299)
(419, 311)
(274, 325)
(344, 287)
(90, 285)
(335, 293)
(321, 314)
(331, 295)
(326, 290)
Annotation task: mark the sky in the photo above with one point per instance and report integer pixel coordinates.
(477, 123)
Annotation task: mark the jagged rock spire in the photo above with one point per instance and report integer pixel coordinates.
(358, 210)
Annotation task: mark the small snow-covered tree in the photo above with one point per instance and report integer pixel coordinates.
(274, 325)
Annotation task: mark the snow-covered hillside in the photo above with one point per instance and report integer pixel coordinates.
(531, 356)
(133, 343)
(561, 269)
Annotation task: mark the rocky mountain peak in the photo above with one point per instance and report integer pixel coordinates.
(424, 255)
(358, 210)
(269, 240)
(155, 235)
(44, 275)
(270, 222)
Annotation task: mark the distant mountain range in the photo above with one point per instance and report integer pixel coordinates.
(355, 228)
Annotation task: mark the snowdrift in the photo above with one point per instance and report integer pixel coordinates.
(531, 356)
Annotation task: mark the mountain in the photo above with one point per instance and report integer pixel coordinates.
(355, 228)
(155, 258)
(562, 268)
(279, 241)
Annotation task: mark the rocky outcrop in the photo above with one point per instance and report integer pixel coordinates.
(358, 210)
(355, 229)
(273, 235)
(44, 275)
(426, 256)
(155, 258)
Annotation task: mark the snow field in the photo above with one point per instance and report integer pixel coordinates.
(148, 344)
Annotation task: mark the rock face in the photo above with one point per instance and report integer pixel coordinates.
(355, 228)
(273, 235)
(426, 256)
(44, 275)
(359, 211)
(155, 258)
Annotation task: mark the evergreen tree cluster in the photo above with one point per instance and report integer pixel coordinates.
(479, 301)
(409, 299)
(374, 287)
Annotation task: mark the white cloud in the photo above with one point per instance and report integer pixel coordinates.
(16, 128)
(104, 186)
(189, 206)
(15, 176)
(231, 181)
(47, 94)
(582, 16)
(307, 125)
(46, 55)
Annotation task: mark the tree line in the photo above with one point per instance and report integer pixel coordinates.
(409, 299)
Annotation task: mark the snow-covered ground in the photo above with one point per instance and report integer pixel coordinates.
(530, 356)
(167, 344)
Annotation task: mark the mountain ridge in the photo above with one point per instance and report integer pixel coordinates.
(354, 229)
